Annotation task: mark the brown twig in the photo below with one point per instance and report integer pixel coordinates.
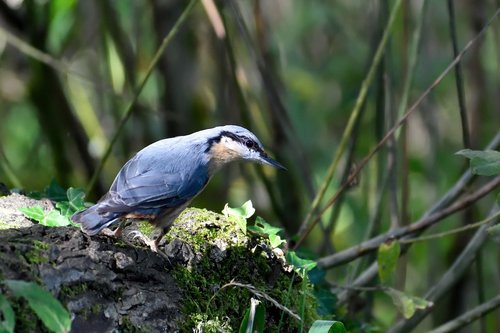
(373, 244)
(453, 193)
(468, 317)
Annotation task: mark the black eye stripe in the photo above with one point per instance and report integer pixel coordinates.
(248, 142)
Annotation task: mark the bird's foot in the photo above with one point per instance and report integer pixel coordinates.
(153, 244)
(117, 233)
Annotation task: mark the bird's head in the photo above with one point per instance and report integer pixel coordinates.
(234, 143)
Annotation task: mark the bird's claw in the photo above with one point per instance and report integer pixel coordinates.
(152, 244)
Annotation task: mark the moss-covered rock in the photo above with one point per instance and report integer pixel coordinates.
(109, 286)
(215, 253)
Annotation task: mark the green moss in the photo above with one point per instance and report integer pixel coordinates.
(96, 309)
(40, 245)
(212, 324)
(37, 254)
(240, 259)
(73, 290)
(146, 228)
(127, 326)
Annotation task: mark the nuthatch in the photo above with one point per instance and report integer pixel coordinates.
(160, 181)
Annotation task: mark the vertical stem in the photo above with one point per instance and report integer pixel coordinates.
(480, 288)
(352, 119)
(458, 77)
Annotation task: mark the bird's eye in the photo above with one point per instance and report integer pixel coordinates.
(249, 143)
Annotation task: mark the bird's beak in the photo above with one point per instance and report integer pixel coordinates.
(265, 159)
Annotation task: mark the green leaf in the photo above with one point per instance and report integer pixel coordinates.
(327, 326)
(494, 233)
(76, 198)
(61, 21)
(245, 211)
(244, 322)
(300, 263)
(55, 219)
(55, 191)
(387, 259)
(276, 241)
(483, 162)
(325, 299)
(50, 219)
(262, 227)
(254, 319)
(7, 317)
(50, 311)
(240, 214)
(64, 208)
(36, 212)
(407, 304)
(74, 204)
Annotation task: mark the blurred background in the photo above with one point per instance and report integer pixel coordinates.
(290, 71)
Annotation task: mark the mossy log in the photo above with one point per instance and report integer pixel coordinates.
(109, 286)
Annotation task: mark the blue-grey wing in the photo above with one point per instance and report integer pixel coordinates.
(150, 182)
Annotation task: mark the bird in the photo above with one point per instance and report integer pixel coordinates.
(162, 179)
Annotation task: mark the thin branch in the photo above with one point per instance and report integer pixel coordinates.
(130, 107)
(401, 121)
(257, 293)
(373, 244)
(214, 18)
(457, 189)
(450, 232)
(468, 317)
(452, 275)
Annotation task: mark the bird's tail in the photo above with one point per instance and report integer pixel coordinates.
(92, 221)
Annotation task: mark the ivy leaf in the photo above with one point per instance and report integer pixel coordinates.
(327, 326)
(298, 263)
(407, 304)
(387, 259)
(50, 311)
(55, 219)
(50, 219)
(35, 213)
(76, 198)
(7, 317)
(276, 241)
(240, 214)
(54, 191)
(74, 204)
(262, 227)
(482, 162)
(245, 211)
